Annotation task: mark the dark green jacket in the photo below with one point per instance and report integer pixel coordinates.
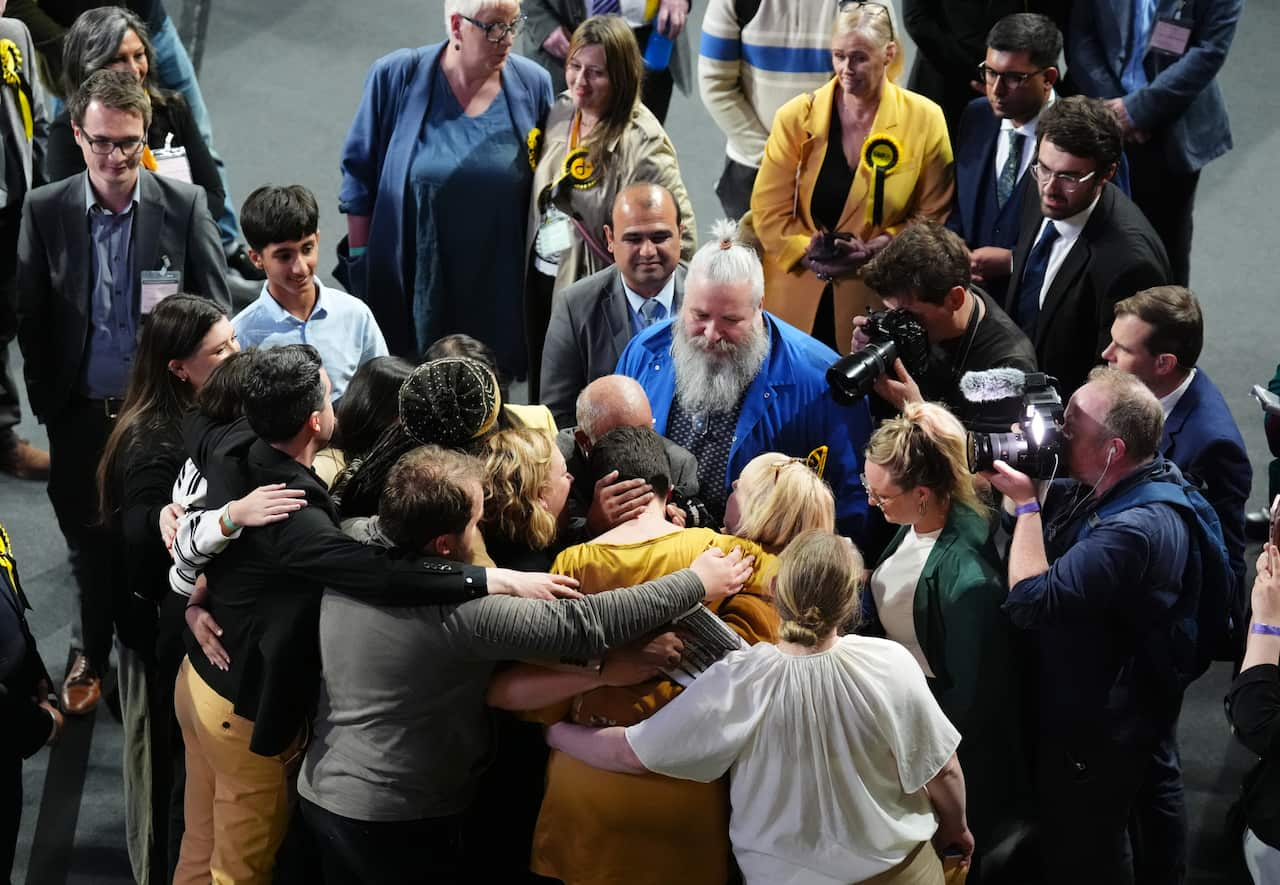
(967, 641)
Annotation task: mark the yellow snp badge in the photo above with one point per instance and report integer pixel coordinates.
(534, 143)
(579, 169)
(881, 153)
(817, 460)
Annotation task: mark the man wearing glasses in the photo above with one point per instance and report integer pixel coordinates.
(96, 253)
(996, 142)
(1082, 244)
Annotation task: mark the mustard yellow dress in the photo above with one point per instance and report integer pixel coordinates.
(605, 828)
(918, 186)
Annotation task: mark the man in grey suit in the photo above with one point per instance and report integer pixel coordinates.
(96, 252)
(592, 320)
(24, 127)
(1156, 62)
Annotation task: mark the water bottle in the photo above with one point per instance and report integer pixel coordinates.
(657, 50)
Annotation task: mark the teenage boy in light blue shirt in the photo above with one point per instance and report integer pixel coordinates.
(281, 225)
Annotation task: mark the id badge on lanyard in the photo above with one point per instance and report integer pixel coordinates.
(157, 285)
(1172, 33)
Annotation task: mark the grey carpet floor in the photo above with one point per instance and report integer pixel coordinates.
(282, 81)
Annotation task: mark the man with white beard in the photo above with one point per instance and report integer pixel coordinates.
(728, 381)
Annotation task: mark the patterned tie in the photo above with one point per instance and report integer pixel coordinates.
(1009, 174)
(603, 7)
(1033, 280)
(651, 312)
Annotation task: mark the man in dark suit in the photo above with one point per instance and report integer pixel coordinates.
(1083, 245)
(86, 246)
(1157, 335)
(996, 142)
(1156, 62)
(592, 320)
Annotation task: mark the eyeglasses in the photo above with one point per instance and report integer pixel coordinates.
(869, 4)
(778, 468)
(104, 147)
(877, 500)
(1070, 182)
(1012, 79)
(496, 32)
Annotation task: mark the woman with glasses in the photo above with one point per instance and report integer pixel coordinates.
(937, 591)
(838, 757)
(844, 170)
(599, 139)
(113, 38)
(436, 173)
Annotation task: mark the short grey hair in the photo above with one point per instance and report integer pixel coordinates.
(608, 402)
(726, 259)
(470, 7)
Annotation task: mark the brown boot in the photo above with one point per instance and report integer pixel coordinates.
(25, 461)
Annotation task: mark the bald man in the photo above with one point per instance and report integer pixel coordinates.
(592, 320)
(608, 402)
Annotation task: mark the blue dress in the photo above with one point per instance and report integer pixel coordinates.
(469, 188)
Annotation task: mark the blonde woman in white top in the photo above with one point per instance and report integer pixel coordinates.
(843, 765)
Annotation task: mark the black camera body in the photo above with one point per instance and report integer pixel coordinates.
(893, 334)
(1036, 449)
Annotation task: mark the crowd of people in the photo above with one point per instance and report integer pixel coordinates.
(793, 568)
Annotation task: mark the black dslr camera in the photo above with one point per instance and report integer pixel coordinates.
(1036, 449)
(894, 334)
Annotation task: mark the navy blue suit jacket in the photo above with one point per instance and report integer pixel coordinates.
(1201, 437)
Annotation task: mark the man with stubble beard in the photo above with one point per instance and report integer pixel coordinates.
(728, 381)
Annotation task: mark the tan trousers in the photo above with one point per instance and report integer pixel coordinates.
(237, 803)
(921, 867)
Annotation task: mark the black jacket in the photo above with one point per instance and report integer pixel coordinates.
(264, 589)
(25, 725)
(1253, 706)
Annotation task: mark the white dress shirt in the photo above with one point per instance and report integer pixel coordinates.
(1027, 129)
(1170, 399)
(1069, 230)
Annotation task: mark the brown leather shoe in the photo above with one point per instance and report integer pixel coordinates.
(82, 689)
(25, 461)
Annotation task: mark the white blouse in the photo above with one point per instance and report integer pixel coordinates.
(829, 755)
(893, 586)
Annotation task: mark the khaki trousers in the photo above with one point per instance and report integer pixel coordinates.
(921, 867)
(237, 803)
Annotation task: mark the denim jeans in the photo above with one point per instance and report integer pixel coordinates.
(175, 71)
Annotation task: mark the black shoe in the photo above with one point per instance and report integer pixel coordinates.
(1257, 524)
(241, 263)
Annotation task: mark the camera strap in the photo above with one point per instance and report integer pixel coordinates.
(970, 333)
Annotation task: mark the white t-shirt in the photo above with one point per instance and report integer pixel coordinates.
(893, 586)
(829, 755)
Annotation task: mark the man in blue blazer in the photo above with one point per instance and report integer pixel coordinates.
(1157, 336)
(1019, 73)
(1156, 61)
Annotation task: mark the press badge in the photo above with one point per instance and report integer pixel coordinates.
(172, 162)
(554, 234)
(157, 285)
(1170, 36)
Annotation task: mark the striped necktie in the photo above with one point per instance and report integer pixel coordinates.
(603, 7)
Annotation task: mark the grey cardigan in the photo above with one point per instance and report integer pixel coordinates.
(402, 731)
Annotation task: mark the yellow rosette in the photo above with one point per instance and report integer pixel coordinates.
(11, 69)
(579, 169)
(817, 460)
(534, 142)
(881, 154)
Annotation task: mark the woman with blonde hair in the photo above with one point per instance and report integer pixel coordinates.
(776, 498)
(844, 170)
(598, 139)
(524, 504)
(937, 591)
(839, 756)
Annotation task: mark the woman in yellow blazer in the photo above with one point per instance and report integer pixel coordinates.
(859, 159)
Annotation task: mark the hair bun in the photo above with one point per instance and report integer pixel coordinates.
(811, 619)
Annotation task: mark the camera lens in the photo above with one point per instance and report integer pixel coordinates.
(854, 375)
(985, 449)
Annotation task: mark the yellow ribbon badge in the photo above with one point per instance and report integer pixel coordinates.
(11, 69)
(534, 141)
(881, 153)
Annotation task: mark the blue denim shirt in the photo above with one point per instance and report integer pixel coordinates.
(1104, 612)
(113, 297)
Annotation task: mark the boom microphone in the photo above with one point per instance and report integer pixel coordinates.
(992, 385)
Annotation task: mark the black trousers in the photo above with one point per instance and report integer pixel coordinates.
(734, 188)
(1112, 814)
(655, 88)
(10, 412)
(1167, 198)
(77, 436)
(356, 852)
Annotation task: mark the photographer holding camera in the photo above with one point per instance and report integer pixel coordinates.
(1117, 575)
(925, 272)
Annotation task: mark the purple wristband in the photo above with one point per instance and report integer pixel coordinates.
(1029, 507)
(1265, 630)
